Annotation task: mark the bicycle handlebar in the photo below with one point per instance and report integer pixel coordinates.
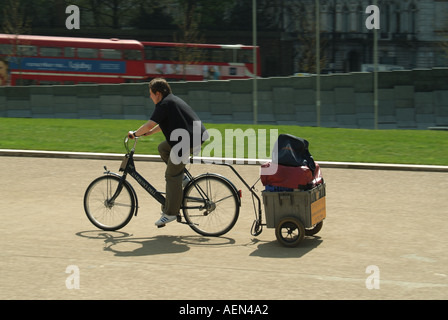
(126, 143)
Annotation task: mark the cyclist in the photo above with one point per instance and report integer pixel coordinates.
(171, 113)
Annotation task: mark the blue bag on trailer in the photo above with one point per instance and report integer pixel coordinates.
(295, 168)
(292, 151)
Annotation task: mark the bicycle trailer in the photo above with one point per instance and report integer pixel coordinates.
(294, 195)
(295, 214)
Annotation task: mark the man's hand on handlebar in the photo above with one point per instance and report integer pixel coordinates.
(131, 135)
(148, 129)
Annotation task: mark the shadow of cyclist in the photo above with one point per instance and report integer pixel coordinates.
(122, 244)
(145, 246)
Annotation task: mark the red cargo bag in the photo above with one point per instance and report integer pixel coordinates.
(291, 177)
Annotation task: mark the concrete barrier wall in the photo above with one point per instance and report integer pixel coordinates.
(415, 99)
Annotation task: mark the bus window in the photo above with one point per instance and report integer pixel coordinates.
(87, 53)
(221, 55)
(5, 49)
(112, 54)
(206, 55)
(50, 52)
(27, 82)
(69, 52)
(148, 53)
(245, 56)
(165, 53)
(132, 55)
(197, 55)
(47, 82)
(162, 53)
(30, 51)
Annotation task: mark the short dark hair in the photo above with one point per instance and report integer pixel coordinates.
(160, 85)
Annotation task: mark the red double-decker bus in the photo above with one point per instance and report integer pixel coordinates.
(193, 62)
(35, 60)
(64, 60)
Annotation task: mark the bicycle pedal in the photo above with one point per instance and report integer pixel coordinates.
(161, 226)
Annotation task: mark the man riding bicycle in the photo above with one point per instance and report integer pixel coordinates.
(171, 114)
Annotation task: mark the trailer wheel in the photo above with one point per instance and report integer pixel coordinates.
(290, 232)
(315, 229)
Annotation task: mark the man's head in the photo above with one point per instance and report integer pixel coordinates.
(158, 89)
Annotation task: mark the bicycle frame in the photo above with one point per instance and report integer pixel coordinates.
(128, 167)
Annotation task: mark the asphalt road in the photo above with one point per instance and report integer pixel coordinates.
(384, 238)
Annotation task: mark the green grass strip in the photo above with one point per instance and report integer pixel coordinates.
(426, 147)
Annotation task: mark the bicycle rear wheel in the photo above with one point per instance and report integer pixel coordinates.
(211, 205)
(102, 212)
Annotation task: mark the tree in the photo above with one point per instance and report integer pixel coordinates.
(188, 23)
(109, 13)
(15, 23)
(152, 15)
(306, 25)
(14, 18)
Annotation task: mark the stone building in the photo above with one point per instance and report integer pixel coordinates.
(413, 34)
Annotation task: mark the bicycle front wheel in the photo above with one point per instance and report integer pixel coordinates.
(211, 205)
(104, 213)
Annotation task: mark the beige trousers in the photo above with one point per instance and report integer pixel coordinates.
(174, 174)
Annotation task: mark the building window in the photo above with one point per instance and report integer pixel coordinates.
(413, 18)
(345, 19)
(331, 19)
(397, 20)
(360, 19)
(385, 18)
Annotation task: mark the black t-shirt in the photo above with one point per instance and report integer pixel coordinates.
(173, 113)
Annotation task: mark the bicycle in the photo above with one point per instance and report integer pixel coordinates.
(210, 203)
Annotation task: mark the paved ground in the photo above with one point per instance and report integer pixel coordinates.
(395, 221)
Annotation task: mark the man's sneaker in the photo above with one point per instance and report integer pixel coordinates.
(185, 181)
(164, 219)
